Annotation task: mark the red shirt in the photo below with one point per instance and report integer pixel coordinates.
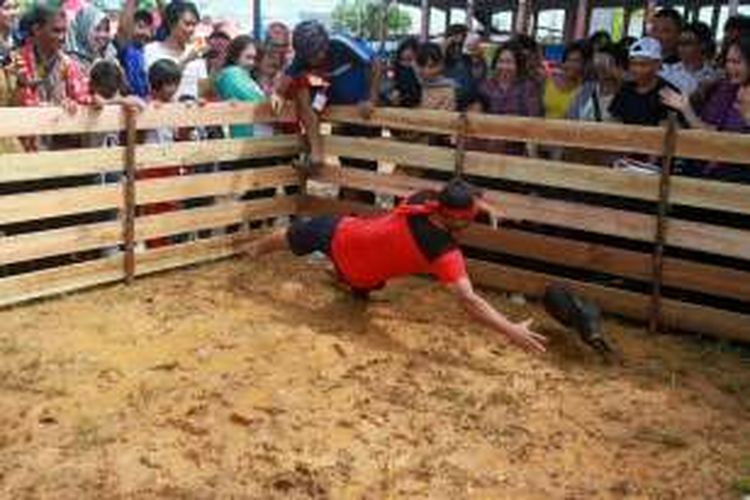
(369, 251)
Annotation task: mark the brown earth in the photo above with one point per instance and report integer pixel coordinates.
(243, 380)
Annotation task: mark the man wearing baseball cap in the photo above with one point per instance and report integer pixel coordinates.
(639, 102)
(327, 70)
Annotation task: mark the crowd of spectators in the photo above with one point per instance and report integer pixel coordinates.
(143, 58)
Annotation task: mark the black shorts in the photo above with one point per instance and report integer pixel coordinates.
(312, 234)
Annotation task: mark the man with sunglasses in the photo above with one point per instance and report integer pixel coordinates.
(417, 237)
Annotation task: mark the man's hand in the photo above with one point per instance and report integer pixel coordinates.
(675, 100)
(521, 335)
(494, 213)
(366, 109)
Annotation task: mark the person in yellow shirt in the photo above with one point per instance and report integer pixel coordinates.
(560, 90)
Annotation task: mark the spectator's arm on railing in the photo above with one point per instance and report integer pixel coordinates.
(375, 76)
(681, 102)
(311, 122)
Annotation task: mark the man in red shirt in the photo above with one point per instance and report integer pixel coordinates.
(417, 237)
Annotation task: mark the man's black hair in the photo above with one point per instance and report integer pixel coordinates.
(143, 16)
(164, 72)
(457, 29)
(39, 15)
(600, 38)
(430, 52)
(739, 22)
(618, 52)
(581, 46)
(457, 194)
(107, 79)
(526, 42)
(671, 14)
(704, 36)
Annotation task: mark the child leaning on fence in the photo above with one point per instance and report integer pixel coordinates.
(164, 80)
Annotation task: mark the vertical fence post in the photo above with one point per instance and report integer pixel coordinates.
(129, 193)
(662, 219)
(461, 128)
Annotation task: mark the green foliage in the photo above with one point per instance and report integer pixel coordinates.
(742, 485)
(363, 18)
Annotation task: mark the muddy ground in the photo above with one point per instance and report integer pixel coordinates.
(243, 380)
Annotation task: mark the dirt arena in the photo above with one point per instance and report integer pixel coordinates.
(261, 381)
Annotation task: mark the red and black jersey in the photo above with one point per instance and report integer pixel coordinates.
(368, 251)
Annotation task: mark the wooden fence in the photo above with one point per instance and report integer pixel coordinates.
(73, 219)
(589, 226)
(76, 218)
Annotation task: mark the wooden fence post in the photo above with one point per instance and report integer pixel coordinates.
(461, 128)
(662, 219)
(129, 204)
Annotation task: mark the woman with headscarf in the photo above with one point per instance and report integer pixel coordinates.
(8, 16)
(89, 38)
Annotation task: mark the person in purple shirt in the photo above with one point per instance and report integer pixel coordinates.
(725, 106)
(510, 91)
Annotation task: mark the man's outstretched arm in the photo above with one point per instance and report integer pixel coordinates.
(519, 334)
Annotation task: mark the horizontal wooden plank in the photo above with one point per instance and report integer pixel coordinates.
(608, 221)
(208, 152)
(58, 202)
(216, 216)
(48, 164)
(221, 183)
(713, 195)
(50, 120)
(217, 113)
(574, 215)
(51, 282)
(685, 191)
(388, 150)
(30, 246)
(415, 120)
(187, 254)
(578, 134)
(591, 135)
(698, 144)
(713, 146)
(678, 315)
(678, 273)
(17, 122)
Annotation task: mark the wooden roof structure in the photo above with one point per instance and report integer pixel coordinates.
(576, 24)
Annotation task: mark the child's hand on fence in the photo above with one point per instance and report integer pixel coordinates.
(98, 102)
(69, 106)
(277, 103)
(134, 102)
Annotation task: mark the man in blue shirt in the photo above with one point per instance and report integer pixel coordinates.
(135, 30)
(346, 71)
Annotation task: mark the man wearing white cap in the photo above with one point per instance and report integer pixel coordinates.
(638, 102)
